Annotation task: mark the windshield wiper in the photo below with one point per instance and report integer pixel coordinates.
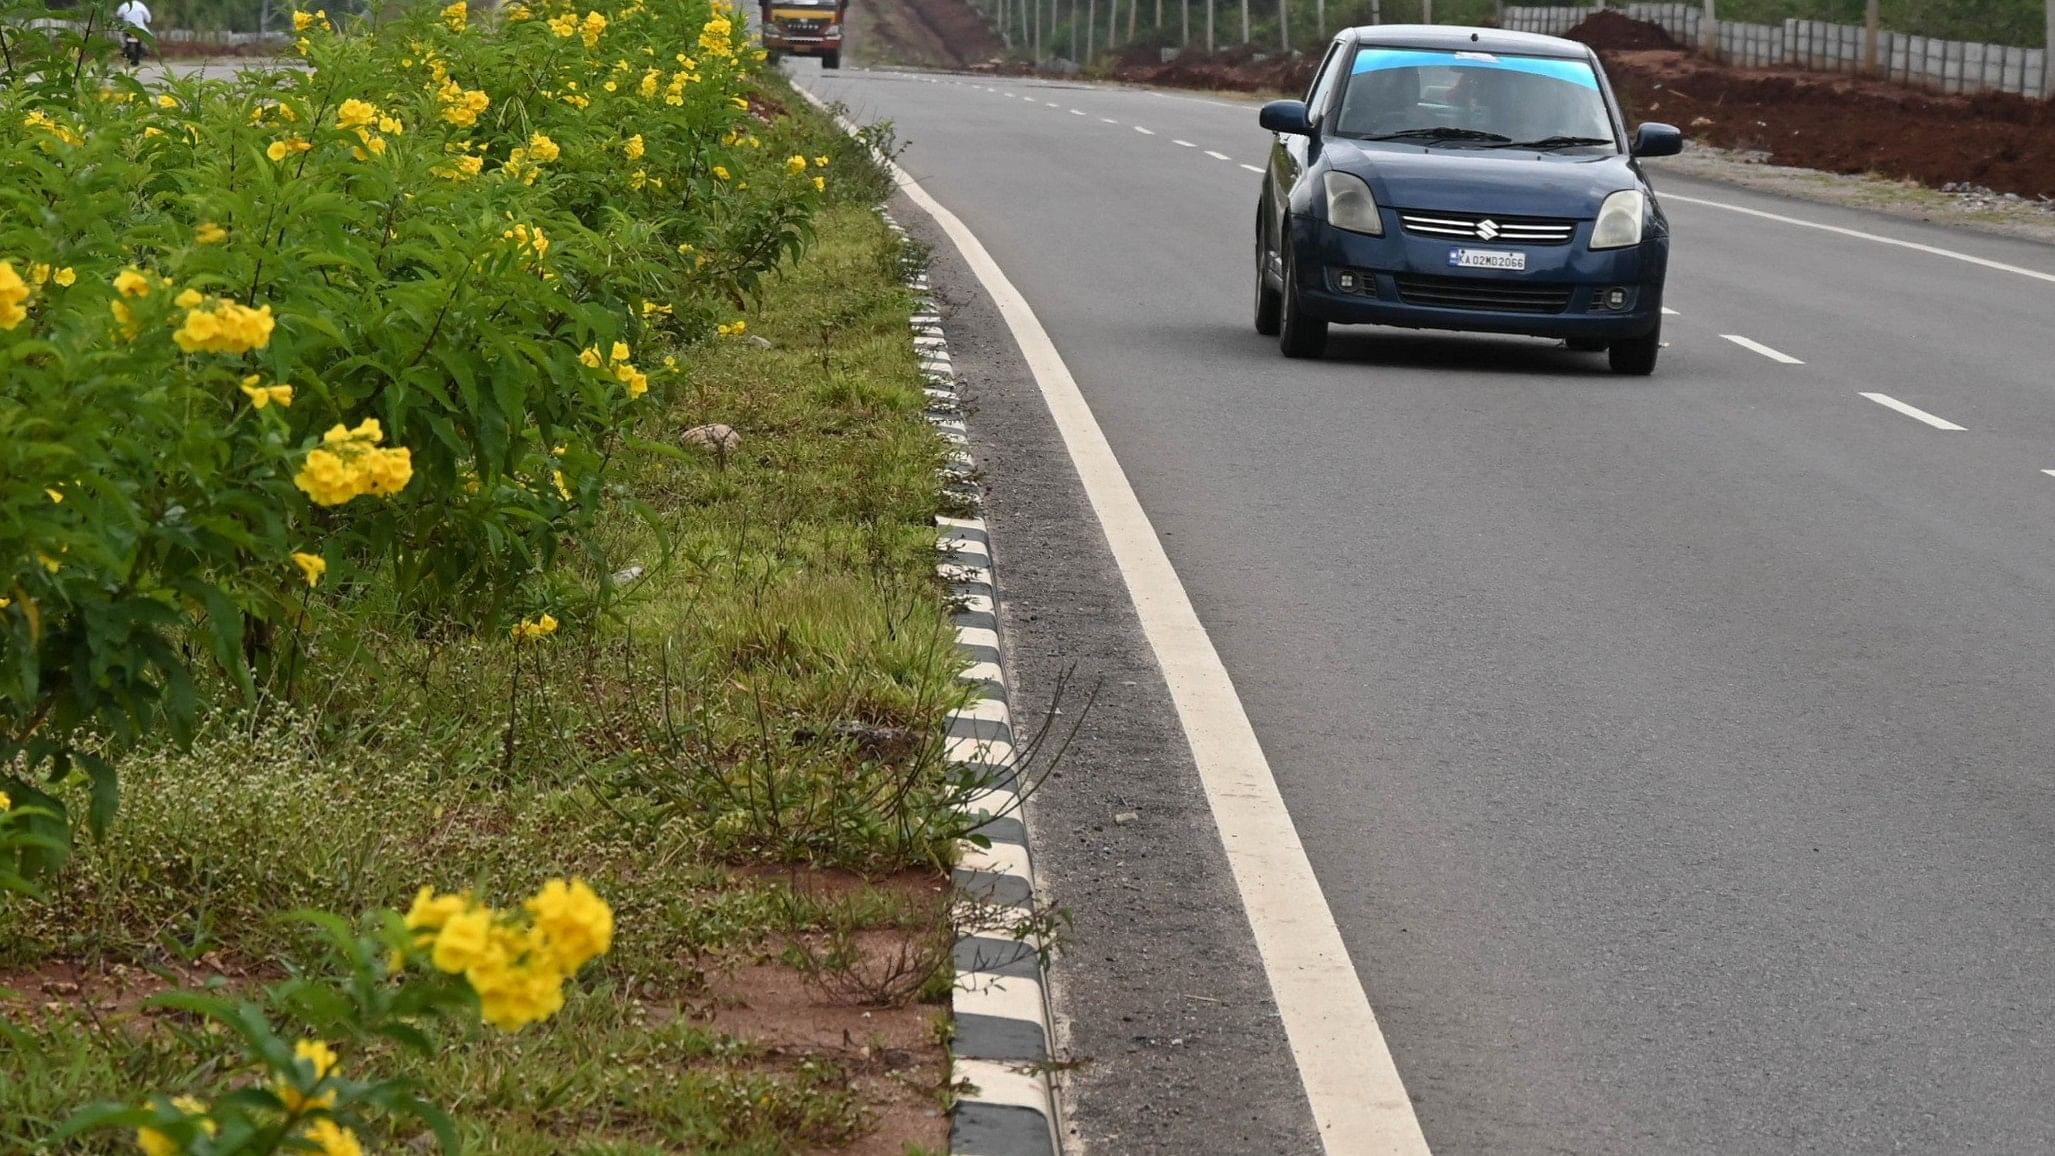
(1558, 142)
(1442, 132)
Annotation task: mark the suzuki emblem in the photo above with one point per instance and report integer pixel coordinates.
(1487, 228)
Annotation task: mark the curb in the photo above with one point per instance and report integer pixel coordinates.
(1004, 1105)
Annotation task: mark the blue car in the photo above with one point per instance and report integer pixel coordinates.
(1465, 179)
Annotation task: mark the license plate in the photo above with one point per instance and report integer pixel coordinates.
(1487, 259)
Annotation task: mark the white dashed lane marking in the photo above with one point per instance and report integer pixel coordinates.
(1145, 131)
(1759, 347)
(1218, 156)
(1913, 412)
(1669, 312)
(1252, 168)
(1185, 143)
(1107, 120)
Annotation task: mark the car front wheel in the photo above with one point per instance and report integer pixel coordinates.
(1297, 334)
(1635, 356)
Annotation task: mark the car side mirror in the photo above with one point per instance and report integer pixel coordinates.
(1657, 140)
(1288, 116)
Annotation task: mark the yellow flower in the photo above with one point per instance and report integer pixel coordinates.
(263, 395)
(332, 1139)
(431, 911)
(302, 21)
(6, 803)
(455, 16)
(130, 283)
(721, 172)
(356, 113)
(210, 233)
(564, 26)
(166, 100)
(820, 184)
(155, 1143)
(188, 299)
(634, 147)
(348, 464)
(56, 496)
(39, 272)
(463, 940)
(652, 309)
(311, 565)
(65, 276)
(574, 923)
(542, 149)
(123, 316)
(281, 149)
(589, 357)
(321, 1059)
(13, 291)
(735, 329)
(795, 164)
(593, 26)
(528, 630)
(619, 352)
(820, 162)
(563, 487)
(226, 328)
(636, 380)
(391, 124)
(460, 168)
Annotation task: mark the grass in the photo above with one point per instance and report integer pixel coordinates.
(738, 746)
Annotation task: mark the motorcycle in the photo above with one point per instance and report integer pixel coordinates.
(132, 49)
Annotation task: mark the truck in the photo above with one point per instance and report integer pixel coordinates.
(803, 28)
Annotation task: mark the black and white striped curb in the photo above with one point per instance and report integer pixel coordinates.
(1000, 1059)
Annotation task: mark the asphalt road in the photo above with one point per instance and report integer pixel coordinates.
(1675, 753)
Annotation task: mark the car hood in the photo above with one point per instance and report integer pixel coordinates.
(1513, 182)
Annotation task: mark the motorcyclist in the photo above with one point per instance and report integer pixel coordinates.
(134, 16)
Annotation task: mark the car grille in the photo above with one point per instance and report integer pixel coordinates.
(802, 27)
(1481, 293)
(1480, 227)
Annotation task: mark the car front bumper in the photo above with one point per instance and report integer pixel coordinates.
(1402, 279)
(800, 45)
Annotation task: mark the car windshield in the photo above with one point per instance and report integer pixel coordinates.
(1473, 98)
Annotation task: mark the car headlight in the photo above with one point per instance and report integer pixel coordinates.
(1350, 205)
(1619, 220)
(832, 30)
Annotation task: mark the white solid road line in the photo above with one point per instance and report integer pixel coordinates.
(1759, 347)
(1862, 236)
(1185, 143)
(1252, 168)
(1218, 156)
(1913, 412)
(1144, 131)
(1359, 1103)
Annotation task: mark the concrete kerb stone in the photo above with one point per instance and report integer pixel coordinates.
(1004, 1104)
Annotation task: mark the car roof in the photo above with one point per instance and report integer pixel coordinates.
(1453, 38)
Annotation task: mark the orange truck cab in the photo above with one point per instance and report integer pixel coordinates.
(804, 28)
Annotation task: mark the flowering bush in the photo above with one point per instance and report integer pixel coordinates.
(448, 953)
(267, 341)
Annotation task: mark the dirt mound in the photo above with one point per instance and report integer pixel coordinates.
(1230, 70)
(1612, 31)
(928, 33)
(1844, 124)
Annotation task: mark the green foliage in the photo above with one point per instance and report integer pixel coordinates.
(446, 236)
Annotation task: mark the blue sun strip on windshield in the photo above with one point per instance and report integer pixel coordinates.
(1379, 59)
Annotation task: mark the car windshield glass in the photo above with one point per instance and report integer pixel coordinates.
(1472, 98)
